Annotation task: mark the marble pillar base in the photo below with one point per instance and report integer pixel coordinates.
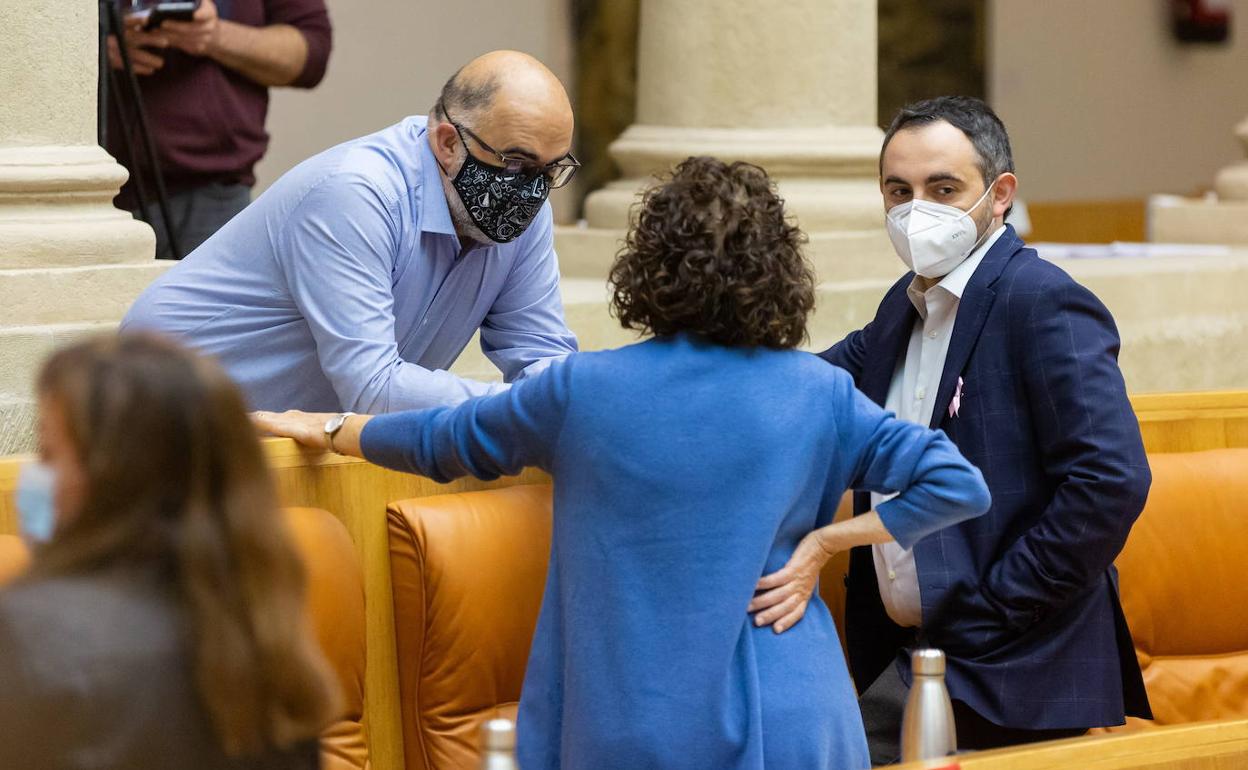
(70, 262)
(854, 255)
(42, 309)
(56, 210)
(22, 351)
(70, 265)
(828, 176)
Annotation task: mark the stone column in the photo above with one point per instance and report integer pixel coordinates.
(790, 86)
(1217, 218)
(70, 263)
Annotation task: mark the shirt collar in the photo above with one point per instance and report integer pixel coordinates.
(435, 213)
(955, 282)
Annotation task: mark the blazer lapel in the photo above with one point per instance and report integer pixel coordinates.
(895, 322)
(973, 310)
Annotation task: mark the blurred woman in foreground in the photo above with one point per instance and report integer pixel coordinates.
(161, 624)
(686, 467)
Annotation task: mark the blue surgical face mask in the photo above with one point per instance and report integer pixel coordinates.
(36, 509)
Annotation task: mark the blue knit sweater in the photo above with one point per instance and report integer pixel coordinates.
(683, 472)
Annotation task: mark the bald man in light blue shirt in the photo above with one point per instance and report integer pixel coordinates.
(360, 275)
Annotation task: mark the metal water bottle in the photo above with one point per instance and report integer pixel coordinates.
(498, 745)
(927, 729)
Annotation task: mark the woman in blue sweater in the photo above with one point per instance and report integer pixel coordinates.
(686, 467)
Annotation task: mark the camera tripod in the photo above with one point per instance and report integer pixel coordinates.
(131, 125)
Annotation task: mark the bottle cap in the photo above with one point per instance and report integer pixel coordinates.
(498, 735)
(928, 661)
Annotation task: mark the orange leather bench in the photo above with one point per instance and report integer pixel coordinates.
(468, 571)
(336, 604)
(13, 557)
(1184, 592)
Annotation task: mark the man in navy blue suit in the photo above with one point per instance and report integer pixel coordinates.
(1017, 363)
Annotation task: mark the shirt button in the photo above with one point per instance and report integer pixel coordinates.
(932, 335)
(892, 575)
(920, 393)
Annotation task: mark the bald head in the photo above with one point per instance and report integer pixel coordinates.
(513, 102)
(499, 78)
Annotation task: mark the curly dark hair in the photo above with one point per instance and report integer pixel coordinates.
(710, 252)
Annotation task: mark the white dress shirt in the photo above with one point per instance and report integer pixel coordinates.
(912, 396)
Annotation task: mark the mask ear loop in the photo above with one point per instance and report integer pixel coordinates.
(981, 198)
(981, 238)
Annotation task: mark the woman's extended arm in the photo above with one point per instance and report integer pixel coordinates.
(484, 437)
(308, 428)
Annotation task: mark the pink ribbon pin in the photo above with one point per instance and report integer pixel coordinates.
(956, 403)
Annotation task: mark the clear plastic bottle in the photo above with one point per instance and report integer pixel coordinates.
(927, 728)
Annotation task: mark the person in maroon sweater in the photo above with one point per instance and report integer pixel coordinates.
(204, 85)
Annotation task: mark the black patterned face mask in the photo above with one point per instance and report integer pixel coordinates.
(502, 205)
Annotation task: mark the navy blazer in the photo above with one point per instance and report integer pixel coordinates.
(1024, 599)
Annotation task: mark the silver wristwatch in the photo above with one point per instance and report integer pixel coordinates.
(333, 425)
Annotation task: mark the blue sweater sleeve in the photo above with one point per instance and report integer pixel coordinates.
(486, 437)
(936, 486)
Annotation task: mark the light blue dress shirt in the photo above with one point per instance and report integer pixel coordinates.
(344, 286)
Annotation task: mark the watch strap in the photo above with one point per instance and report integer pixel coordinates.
(338, 421)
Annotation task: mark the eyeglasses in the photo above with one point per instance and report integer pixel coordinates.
(557, 174)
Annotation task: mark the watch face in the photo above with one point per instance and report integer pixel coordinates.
(335, 422)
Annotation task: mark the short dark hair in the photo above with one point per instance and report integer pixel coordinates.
(969, 115)
(712, 253)
(465, 99)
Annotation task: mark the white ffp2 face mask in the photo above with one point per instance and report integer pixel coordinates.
(932, 238)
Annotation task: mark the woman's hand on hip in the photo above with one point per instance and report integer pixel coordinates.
(781, 598)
